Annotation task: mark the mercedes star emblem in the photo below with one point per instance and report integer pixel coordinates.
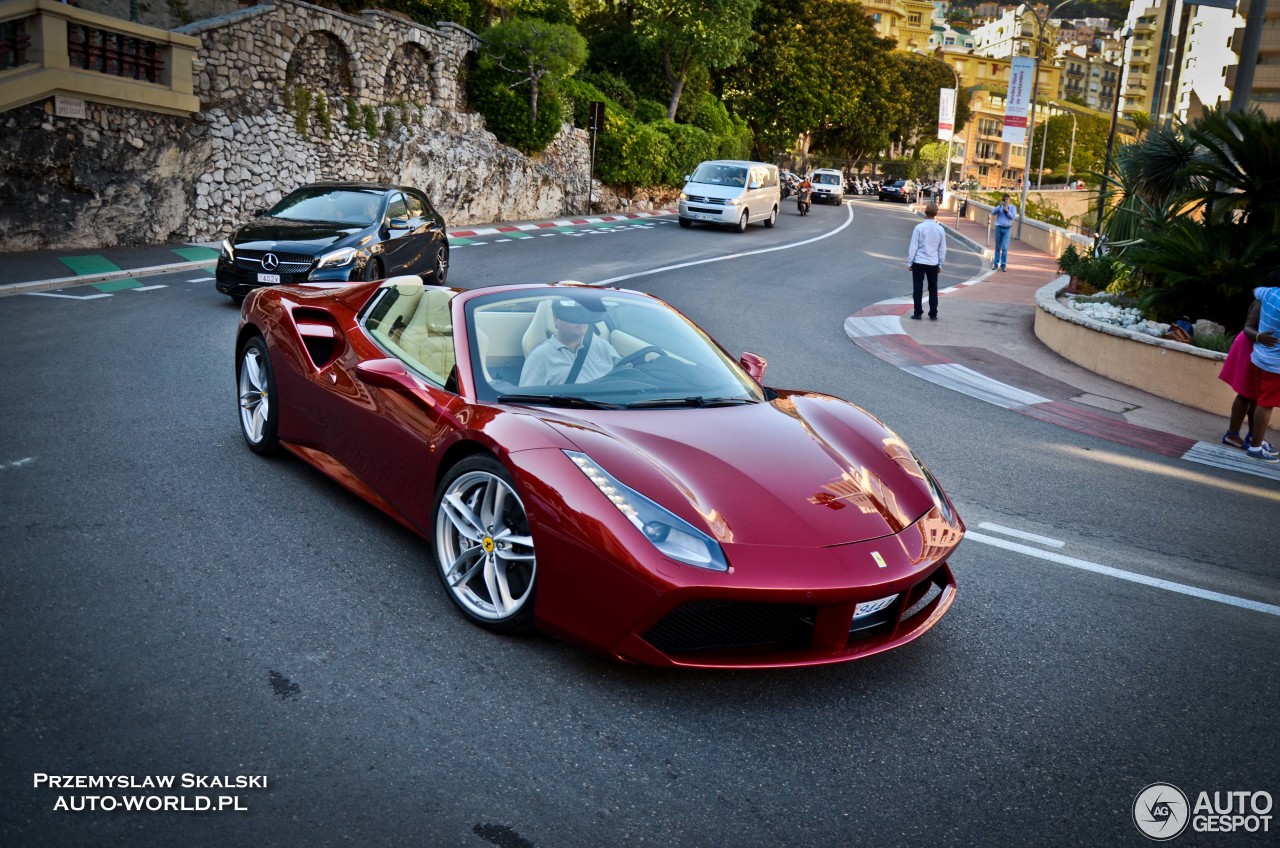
(270, 262)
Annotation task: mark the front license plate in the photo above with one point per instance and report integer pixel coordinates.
(868, 607)
(269, 278)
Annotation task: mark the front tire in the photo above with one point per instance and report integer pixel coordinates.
(483, 546)
(686, 223)
(440, 268)
(259, 403)
(372, 270)
(742, 222)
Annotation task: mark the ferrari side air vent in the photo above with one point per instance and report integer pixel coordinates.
(320, 335)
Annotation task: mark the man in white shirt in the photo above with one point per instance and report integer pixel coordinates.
(554, 361)
(925, 255)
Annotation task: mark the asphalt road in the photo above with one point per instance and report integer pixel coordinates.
(173, 604)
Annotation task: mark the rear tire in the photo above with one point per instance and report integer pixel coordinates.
(772, 219)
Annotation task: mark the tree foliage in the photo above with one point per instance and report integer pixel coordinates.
(710, 32)
(815, 65)
(535, 53)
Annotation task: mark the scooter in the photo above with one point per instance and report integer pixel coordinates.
(803, 200)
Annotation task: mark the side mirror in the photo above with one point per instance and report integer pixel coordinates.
(688, 178)
(391, 374)
(386, 374)
(754, 186)
(754, 364)
(398, 223)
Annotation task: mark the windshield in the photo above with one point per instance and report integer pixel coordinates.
(597, 348)
(340, 205)
(827, 179)
(711, 173)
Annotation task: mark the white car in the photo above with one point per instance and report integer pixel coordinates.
(731, 191)
(828, 185)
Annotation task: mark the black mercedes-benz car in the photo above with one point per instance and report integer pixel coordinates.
(336, 232)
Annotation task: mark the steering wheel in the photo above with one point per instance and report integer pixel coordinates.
(639, 355)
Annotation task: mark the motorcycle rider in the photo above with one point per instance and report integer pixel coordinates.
(804, 193)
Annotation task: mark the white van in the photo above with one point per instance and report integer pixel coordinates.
(828, 185)
(731, 191)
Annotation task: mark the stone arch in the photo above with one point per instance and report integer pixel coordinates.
(410, 73)
(321, 62)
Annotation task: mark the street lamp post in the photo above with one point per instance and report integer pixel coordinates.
(1072, 155)
(1035, 91)
(1111, 142)
(946, 174)
(1044, 142)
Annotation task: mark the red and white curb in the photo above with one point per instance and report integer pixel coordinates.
(503, 229)
(878, 330)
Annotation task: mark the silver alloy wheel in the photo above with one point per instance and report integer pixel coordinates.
(442, 265)
(484, 548)
(255, 399)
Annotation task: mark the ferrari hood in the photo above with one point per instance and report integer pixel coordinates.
(803, 469)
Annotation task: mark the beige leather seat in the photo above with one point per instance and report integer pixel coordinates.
(427, 339)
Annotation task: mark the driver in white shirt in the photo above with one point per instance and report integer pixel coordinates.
(551, 362)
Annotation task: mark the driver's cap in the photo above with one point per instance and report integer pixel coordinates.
(572, 312)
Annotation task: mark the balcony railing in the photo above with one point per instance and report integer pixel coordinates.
(49, 48)
(114, 53)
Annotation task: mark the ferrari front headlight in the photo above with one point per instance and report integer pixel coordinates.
(939, 497)
(669, 533)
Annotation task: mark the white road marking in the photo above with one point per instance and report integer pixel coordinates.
(18, 463)
(199, 279)
(1232, 459)
(148, 288)
(967, 381)
(68, 296)
(1021, 534)
(1155, 582)
(676, 267)
(873, 325)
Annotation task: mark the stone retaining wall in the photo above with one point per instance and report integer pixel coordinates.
(393, 111)
(1167, 369)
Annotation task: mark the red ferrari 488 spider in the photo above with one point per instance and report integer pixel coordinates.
(588, 461)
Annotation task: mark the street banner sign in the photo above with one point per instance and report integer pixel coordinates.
(1021, 73)
(946, 113)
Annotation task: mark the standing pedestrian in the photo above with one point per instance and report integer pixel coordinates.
(1005, 214)
(1266, 359)
(1240, 374)
(925, 255)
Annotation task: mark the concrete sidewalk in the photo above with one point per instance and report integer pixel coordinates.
(984, 345)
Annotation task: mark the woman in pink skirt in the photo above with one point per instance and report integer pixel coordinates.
(1239, 373)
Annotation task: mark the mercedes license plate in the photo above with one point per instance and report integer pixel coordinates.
(269, 278)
